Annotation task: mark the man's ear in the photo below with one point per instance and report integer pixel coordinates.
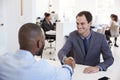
(39, 44)
(90, 23)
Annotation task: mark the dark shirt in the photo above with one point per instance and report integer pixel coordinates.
(46, 26)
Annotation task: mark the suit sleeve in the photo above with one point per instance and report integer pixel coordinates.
(107, 55)
(66, 48)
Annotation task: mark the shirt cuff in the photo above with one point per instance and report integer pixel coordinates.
(69, 68)
(100, 68)
(63, 59)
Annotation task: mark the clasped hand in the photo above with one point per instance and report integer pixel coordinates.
(70, 61)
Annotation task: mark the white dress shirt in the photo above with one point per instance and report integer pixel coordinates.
(23, 66)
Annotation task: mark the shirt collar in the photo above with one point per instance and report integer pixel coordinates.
(88, 37)
(24, 53)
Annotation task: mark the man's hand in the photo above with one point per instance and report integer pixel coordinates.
(70, 61)
(91, 69)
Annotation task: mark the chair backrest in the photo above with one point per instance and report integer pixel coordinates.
(102, 29)
(114, 30)
(99, 30)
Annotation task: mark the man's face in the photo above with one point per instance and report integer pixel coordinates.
(82, 25)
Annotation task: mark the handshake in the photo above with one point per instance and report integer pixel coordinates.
(90, 69)
(70, 61)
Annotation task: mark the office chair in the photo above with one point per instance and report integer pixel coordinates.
(50, 39)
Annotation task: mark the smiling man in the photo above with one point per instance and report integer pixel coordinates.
(87, 46)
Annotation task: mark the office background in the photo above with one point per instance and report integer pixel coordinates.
(10, 14)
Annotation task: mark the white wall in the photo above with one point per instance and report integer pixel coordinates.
(12, 23)
(1, 9)
(117, 7)
(43, 6)
(55, 5)
(28, 11)
(70, 8)
(13, 20)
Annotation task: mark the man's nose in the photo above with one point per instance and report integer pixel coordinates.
(79, 26)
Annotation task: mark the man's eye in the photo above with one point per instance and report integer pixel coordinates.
(82, 23)
(77, 23)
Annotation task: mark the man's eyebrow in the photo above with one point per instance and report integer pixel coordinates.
(80, 23)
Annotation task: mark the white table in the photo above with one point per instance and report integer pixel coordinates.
(79, 75)
(51, 32)
(112, 72)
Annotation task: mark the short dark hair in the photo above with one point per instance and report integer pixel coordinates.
(46, 14)
(114, 16)
(27, 33)
(87, 14)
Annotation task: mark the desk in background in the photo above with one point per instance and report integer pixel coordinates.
(51, 32)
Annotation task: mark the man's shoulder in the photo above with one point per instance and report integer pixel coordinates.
(97, 34)
(6, 57)
(73, 33)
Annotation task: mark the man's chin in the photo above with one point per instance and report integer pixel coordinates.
(80, 31)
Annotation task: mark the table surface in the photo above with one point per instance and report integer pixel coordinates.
(51, 32)
(112, 72)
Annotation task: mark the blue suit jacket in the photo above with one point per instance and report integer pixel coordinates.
(97, 46)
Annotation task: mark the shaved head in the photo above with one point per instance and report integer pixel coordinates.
(31, 37)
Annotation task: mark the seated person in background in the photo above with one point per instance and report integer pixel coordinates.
(87, 46)
(47, 26)
(114, 21)
(23, 66)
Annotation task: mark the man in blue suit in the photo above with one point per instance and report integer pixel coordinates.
(87, 46)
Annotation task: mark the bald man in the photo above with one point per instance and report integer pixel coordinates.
(23, 66)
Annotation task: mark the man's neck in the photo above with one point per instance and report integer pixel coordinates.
(85, 35)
